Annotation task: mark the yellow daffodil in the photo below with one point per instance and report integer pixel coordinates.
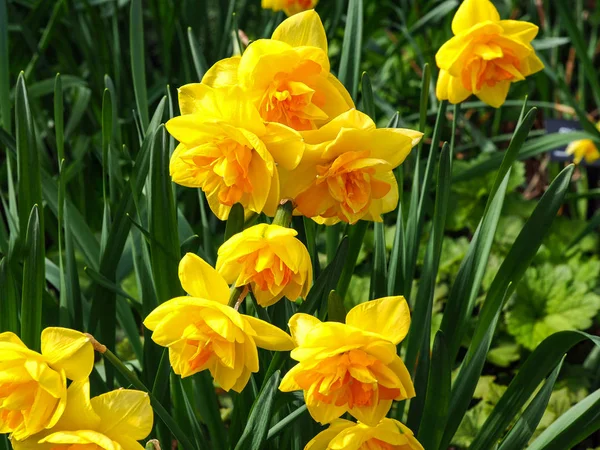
(388, 434)
(33, 386)
(112, 421)
(270, 260)
(485, 55)
(290, 7)
(584, 149)
(351, 367)
(203, 332)
(347, 172)
(227, 151)
(287, 77)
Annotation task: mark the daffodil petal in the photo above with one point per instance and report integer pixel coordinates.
(124, 412)
(388, 317)
(200, 280)
(68, 350)
(301, 325)
(303, 29)
(268, 336)
(472, 12)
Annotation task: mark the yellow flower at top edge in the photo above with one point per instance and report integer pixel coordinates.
(33, 386)
(287, 77)
(290, 7)
(389, 434)
(203, 332)
(351, 367)
(485, 55)
(116, 420)
(346, 173)
(270, 259)
(584, 149)
(226, 150)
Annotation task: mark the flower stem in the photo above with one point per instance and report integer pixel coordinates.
(135, 382)
(283, 215)
(238, 294)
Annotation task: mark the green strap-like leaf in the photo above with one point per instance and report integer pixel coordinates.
(138, 63)
(352, 47)
(254, 436)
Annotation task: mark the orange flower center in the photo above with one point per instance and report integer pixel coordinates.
(376, 444)
(75, 447)
(15, 401)
(353, 188)
(291, 101)
(490, 65)
(206, 343)
(265, 269)
(350, 378)
(223, 165)
(305, 4)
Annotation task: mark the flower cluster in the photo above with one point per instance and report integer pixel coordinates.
(39, 411)
(276, 124)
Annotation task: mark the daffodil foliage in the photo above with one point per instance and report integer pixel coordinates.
(259, 225)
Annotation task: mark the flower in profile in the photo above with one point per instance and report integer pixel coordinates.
(112, 421)
(203, 332)
(485, 55)
(268, 258)
(584, 149)
(33, 386)
(347, 172)
(389, 434)
(290, 7)
(351, 367)
(287, 77)
(226, 150)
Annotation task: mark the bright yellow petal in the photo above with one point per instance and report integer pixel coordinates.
(494, 95)
(223, 74)
(388, 317)
(519, 29)
(451, 88)
(79, 414)
(323, 412)
(124, 412)
(284, 144)
(371, 415)
(301, 325)
(191, 96)
(81, 437)
(68, 350)
(472, 12)
(268, 336)
(304, 29)
(200, 280)
(321, 441)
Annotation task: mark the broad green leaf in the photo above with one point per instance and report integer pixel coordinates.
(34, 283)
(336, 312)
(254, 436)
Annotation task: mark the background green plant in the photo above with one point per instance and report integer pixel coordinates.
(92, 229)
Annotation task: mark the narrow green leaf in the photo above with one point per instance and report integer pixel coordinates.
(511, 271)
(59, 119)
(537, 366)
(356, 234)
(72, 287)
(34, 282)
(523, 430)
(472, 269)
(336, 312)
(138, 63)
(9, 299)
(310, 230)
(235, 221)
(286, 422)
(379, 273)
(200, 63)
(208, 407)
(572, 427)
(4, 68)
(367, 96)
(164, 248)
(187, 414)
(431, 428)
(29, 185)
(327, 281)
(254, 436)
(350, 58)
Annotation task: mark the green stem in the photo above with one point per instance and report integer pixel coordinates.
(283, 215)
(238, 294)
(135, 381)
